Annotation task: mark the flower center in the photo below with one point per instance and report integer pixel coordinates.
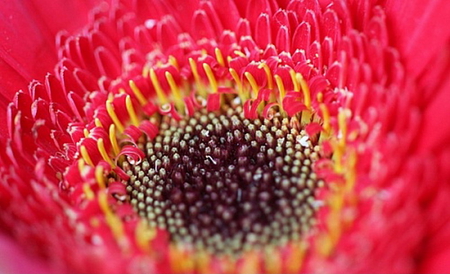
(227, 184)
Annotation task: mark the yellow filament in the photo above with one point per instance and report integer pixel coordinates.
(145, 71)
(159, 92)
(240, 53)
(326, 117)
(305, 89)
(211, 77)
(88, 191)
(175, 91)
(295, 257)
(113, 221)
(280, 86)
(268, 75)
(173, 61)
(294, 80)
(85, 155)
(131, 111)
(251, 263)
(137, 92)
(194, 70)
(219, 57)
(144, 235)
(272, 261)
(86, 133)
(105, 156)
(252, 82)
(113, 140)
(113, 115)
(98, 123)
(343, 127)
(99, 176)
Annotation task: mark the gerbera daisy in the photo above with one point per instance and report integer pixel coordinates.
(226, 136)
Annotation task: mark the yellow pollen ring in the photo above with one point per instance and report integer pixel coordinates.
(211, 77)
(137, 92)
(253, 84)
(131, 111)
(85, 155)
(113, 140)
(99, 177)
(159, 92)
(268, 75)
(219, 57)
(175, 91)
(105, 156)
(113, 115)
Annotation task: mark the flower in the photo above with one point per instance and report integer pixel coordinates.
(352, 89)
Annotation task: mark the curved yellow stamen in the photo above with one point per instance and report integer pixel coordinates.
(342, 122)
(325, 117)
(100, 177)
(294, 80)
(305, 89)
(86, 133)
(211, 77)
(253, 84)
(113, 221)
(159, 91)
(175, 91)
(88, 192)
(280, 86)
(146, 71)
(268, 75)
(113, 115)
(98, 123)
(85, 155)
(173, 61)
(137, 92)
(131, 112)
(113, 139)
(219, 57)
(239, 53)
(197, 79)
(144, 234)
(101, 148)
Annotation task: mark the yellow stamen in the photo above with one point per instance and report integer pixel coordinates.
(294, 80)
(175, 91)
(280, 86)
(251, 263)
(305, 89)
(272, 261)
(145, 71)
(159, 92)
(326, 117)
(98, 123)
(131, 111)
(253, 84)
(211, 77)
(144, 234)
(238, 83)
(86, 133)
(240, 53)
(113, 221)
(219, 57)
(295, 257)
(268, 75)
(113, 140)
(173, 61)
(137, 92)
(85, 155)
(102, 149)
(197, 79)
(100, 177)
(88, 192)
(342, 122)
(113, 115)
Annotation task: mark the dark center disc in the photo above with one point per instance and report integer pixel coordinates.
(220, 182)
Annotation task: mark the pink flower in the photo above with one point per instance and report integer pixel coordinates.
(225, 136)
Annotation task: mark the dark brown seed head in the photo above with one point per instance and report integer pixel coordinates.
(220, 182)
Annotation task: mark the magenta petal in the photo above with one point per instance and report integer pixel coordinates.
(419, 28)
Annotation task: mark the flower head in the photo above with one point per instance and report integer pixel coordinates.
(207, 136)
